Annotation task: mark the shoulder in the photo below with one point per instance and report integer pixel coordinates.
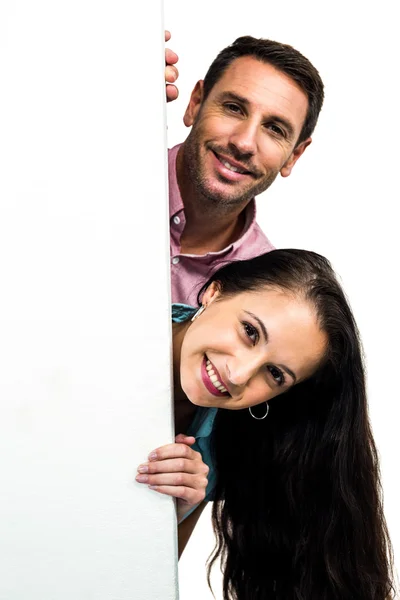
(182, 312)
(261, 239)
(253, 244)
(172, 152)
(253, 240)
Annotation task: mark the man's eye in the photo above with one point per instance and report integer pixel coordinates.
(232, 107)
(251, 332)
(277, 374)
(276, 129)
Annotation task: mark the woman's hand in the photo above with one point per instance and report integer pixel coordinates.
(176, 470)
(171, 72)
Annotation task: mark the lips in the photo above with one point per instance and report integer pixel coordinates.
(207, 381)
(229, 168)
(233, 164)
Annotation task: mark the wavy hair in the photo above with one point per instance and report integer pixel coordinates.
(298, 510)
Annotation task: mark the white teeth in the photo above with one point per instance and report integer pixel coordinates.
(230, 167)
(213, 378)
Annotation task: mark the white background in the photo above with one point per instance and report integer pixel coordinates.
(342, 197)
(84, 301)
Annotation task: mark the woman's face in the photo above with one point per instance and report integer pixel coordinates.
(245, 349)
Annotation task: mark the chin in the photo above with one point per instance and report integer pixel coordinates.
(197, 399)
(219, 195)
(191, 393)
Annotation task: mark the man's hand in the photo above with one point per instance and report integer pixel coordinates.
(177, 470)
(171, 72)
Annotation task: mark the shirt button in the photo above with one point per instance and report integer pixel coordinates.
(175, 260)
(177, 220)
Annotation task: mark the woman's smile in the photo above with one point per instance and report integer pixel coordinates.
(212, 379)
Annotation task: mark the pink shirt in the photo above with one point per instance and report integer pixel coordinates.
(190, 271)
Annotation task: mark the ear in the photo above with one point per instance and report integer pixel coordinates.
(212, 293)
(193, 107)
(294, 157)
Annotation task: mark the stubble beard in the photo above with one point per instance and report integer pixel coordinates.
(222, 200)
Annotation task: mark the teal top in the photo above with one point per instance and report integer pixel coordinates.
(202, 424)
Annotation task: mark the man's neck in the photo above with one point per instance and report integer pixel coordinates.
(207, 229)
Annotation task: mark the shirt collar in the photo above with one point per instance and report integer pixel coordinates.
(249, 223)
(203, 422)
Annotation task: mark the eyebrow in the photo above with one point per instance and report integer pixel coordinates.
(260, 323)
(265, 334)
(289, 371)
(242, 100)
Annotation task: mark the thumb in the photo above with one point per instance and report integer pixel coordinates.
(181, 438)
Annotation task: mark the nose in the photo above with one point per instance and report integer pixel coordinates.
(244, 137)
(243, 368)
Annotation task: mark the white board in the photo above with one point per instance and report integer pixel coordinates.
(85, 391)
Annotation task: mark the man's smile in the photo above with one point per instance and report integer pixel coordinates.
(229, 168)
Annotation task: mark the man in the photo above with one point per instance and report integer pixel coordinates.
(252, 118)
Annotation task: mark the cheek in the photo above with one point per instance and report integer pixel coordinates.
(187, 382)
(216, 127)
(194, 345)
(272, 155)
(257, 392)
(261, 392)
(189, 366)
(213, 335)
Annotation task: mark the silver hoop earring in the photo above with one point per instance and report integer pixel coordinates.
(198, 313)
(259, 418)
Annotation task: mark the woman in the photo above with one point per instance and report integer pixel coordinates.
(269, 381)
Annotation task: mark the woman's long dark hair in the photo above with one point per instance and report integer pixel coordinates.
(298, 508)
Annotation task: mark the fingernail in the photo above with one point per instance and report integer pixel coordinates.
(153, 456)
(142, 478)
(143, 468)
(153, 487)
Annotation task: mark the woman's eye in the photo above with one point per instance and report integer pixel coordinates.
(251, 332)
(277, 374)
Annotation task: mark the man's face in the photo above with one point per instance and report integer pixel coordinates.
(244, 133)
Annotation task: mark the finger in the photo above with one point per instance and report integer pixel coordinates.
(192, 497)
(172, 93)
(171, 73)
(196, 482)
(181, 438)
(167, 35)
(173, 451)
(171, 57)
(174, 465)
